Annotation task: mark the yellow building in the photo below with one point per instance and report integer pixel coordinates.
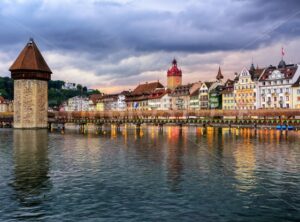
(245, 89)
(100, 106)
(174, 76)
(228, 100)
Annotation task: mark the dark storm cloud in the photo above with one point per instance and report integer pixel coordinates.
(114, 26)
(110, 31)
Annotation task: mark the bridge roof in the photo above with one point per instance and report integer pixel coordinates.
(30, 59)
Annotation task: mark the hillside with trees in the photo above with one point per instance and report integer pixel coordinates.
(56, 95)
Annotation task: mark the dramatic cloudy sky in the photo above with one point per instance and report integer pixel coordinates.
(116, 44)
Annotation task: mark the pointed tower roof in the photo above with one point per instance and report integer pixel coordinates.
(219, 75)
(31, 59)
(174, 70)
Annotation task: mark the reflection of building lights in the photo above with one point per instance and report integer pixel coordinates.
(245, 165)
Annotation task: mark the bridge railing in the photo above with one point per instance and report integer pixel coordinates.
(259, 113)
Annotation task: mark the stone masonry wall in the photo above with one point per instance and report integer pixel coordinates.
(30, 104)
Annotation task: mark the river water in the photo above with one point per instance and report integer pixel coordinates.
(192, 174)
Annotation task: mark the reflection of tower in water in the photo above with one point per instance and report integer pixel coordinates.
(175, 155)
(31, 167)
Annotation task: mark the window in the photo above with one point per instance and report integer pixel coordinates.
(287, 98)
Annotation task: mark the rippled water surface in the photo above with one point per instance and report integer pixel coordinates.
(150, 175)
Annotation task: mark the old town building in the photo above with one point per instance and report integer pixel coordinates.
(160, 100)
(181, 97)
(275, 86)
(203, 94)
(245, 89)
(138, 99)
(5, 105)
(228, 100)
(214, 92)
(296, 94)
(194, 96)
(77, 103)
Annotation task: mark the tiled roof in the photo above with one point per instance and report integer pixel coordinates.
(182, 90)
(147, 88)
(95, 97)
(288, 71)
(2, 99)
(30, 59)
(157, 94)
(208, 84)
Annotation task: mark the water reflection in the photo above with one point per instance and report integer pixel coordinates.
(174, 159)
(245, 162)
(31, 168)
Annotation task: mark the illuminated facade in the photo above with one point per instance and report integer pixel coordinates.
(174, 76)
(245, 89)
(275, 86)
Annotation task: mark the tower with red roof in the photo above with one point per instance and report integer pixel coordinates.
(174, 76)
(31, 74)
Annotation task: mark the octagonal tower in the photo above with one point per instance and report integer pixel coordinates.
(31, 74)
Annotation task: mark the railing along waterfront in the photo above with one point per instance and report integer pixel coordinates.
(259, 113)
(239, 117)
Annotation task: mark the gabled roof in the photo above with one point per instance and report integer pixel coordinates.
(208, 84)
(30, 59)
(182, 90)
(297, 83)
(2, 99)
(159, 93)
(288, 72)
(147, 88)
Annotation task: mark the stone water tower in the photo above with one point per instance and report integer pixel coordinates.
(31, 74)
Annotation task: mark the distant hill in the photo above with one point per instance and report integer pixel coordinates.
(56, 96)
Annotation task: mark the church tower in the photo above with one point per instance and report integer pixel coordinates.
(31, 74)
(174, 76)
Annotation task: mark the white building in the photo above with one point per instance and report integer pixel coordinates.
(77, 103)
(275, 86)
(69, 86)
(5, 105)
(160, 100)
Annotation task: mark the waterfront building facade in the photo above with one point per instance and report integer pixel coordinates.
(77, 103)
(228, 99)
(245, 89)
(203, 94)
(181, 97)
(276, 86)
(296, 94)
(194, 96)
(159, 100)
(5, 105)
(138, 99)
(214, 92)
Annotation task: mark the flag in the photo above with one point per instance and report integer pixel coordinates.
(282, 51)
